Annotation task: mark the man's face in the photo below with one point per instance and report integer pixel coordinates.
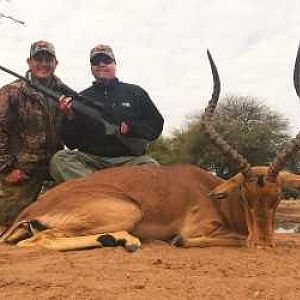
(103, 67)
(42, 65)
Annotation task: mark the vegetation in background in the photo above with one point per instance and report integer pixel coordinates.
(246, 123)
(290, 192)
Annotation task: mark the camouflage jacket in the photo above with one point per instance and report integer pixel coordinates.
(29, 124)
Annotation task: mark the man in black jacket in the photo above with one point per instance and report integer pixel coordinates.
(126, 107)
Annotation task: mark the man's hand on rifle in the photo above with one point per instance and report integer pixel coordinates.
(65, 104)
(124, 128)
(16, 176)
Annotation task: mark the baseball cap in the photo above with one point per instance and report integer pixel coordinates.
(102, 49)
(40, 46)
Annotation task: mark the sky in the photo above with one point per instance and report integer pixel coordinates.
(161, 46)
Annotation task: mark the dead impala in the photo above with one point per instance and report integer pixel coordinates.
(182, 204)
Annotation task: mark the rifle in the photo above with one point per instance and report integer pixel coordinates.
(136, 146)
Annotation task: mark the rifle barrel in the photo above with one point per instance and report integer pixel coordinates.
(13, 73)
(40, 87)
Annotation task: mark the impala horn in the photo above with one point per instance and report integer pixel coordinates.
(217, 140)
(293, 145)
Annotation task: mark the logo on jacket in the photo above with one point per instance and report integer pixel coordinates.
(126, 104)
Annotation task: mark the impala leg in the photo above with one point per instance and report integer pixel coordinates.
(230, 239)
(2, 229)
(119, 217)
(122, 238)
(209, 242)
(53, 239)
(17, 232)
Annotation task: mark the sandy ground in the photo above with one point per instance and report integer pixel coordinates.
(158, 271)
(289, 210)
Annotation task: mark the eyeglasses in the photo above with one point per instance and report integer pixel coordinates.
(95, 61)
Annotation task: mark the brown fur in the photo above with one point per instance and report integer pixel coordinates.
(148, 202)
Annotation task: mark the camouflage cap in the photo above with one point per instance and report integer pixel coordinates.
(40, 46)
(102, 49)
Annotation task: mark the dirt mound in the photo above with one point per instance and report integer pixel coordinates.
(158, 271)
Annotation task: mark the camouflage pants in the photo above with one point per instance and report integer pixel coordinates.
(69, 164)
(14, 198)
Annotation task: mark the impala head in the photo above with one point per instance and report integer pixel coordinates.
(260, 198)
(258, 188)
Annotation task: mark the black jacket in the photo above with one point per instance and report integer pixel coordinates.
(117, 102)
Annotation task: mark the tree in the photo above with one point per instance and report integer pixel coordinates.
(164, 150)
(245, 123)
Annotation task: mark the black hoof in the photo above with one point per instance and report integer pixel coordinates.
(132, 248)
(108, 240)
(36, 225)
(177, 241)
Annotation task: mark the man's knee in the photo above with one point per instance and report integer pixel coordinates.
(56, 163)
(58, 159)
(152, 161)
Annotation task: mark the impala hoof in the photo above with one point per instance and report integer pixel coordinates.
(107, 240)
(132, 248)
(177, 241)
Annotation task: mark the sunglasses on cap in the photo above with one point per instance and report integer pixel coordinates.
(95, 61)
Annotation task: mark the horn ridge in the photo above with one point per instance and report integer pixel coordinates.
(290, 148)
(297, 73)
(214, 136)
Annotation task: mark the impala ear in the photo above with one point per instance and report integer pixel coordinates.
(217, 195)
(223, 190)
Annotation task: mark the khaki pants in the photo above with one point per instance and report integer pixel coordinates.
(14, 198)
(69, 164)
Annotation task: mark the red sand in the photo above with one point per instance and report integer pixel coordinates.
(158, 271)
